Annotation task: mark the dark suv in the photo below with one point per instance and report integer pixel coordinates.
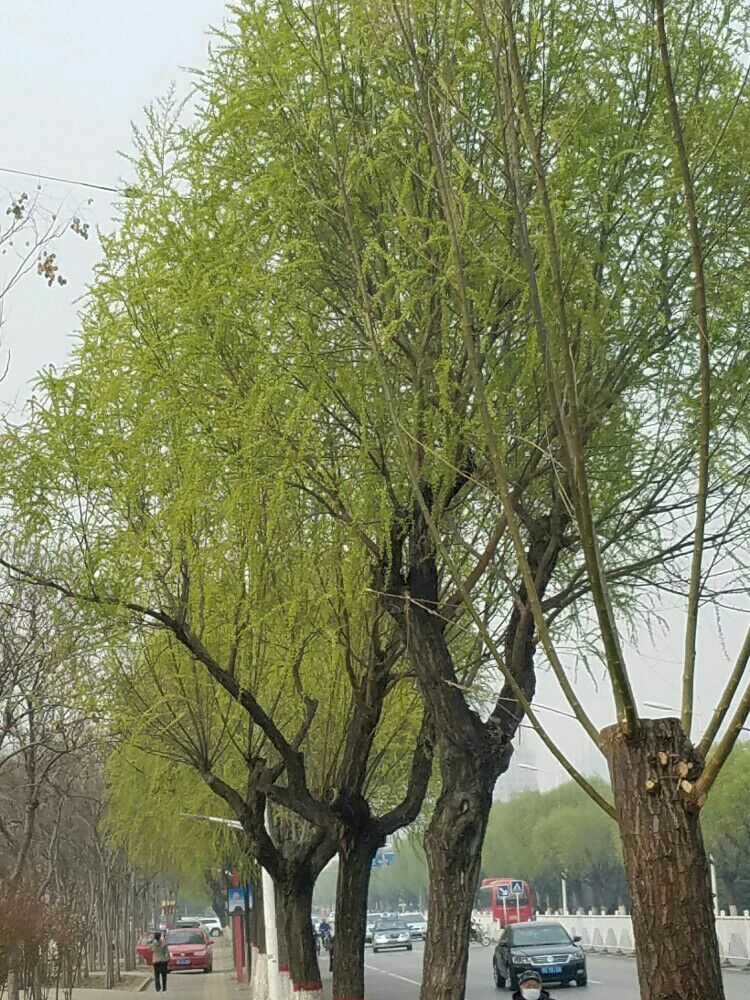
(542, 945)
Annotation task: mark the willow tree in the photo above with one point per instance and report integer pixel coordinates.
(403, 260)
(334, 285)
(229, 613)
(623, 291)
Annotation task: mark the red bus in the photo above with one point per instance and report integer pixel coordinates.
(507, 900)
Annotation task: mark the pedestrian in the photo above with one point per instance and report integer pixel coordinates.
(530, 987)
(160, 962)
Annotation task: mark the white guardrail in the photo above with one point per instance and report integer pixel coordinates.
(613, 933)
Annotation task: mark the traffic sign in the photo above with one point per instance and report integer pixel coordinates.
(516, 887)
(503, 891)
(383, 858)
(236, 900)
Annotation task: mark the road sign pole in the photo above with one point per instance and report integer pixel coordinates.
(237, 933)
(248, 951)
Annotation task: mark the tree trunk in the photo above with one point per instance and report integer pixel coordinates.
(14, 987)
(285, 983)
(454, 849)
(355, 865)
(259, 971)
(472, 753)
(297, 893)
(665, 862)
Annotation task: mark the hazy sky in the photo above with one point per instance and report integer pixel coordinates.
(73, 77)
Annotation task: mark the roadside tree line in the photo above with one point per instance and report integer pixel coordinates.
(419, 353)
(541, 835)
(70, 903)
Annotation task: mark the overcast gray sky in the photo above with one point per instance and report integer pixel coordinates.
(73, 77)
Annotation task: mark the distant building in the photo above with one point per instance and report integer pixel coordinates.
(521, 776)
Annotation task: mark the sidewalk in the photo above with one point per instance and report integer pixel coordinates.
(218, 985)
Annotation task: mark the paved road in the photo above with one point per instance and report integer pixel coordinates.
(396, 976)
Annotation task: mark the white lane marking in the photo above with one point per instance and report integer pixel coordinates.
(595, 982)
(403, 979)
(393, 975)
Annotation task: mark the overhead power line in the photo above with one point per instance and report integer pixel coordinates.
(61, 180)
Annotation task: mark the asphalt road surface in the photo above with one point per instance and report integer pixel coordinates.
(396, 976)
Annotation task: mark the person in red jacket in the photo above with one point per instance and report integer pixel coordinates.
(530, 987)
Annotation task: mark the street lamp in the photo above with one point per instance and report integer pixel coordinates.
(269, 908)
(714, 885)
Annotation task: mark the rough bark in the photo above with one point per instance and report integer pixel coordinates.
(296, 892)
(665, 861)
(473, 753)
(283, 946)
(356, 854)
(454, 847)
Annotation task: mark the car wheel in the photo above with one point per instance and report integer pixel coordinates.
(582, 979)
(512, 981)
(499, 980)
(408, 947)
(375, 951)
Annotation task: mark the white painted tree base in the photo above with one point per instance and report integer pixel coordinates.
(259, 978)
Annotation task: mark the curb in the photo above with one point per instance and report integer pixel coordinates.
(146, 984)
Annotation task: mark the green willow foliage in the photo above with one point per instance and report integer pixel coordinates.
(222, 444)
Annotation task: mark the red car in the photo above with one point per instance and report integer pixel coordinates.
(143, 946)
(190, 948)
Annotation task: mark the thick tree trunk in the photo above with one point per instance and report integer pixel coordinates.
(665, 862)
(355, 864)
(297, 892)
(285, 982)
(259, 970)
(454, 849)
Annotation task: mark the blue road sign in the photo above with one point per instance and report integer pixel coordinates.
(516, 887)
(236, 900)
(503, 891)
(383, 858)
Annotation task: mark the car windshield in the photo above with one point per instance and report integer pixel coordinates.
(184, 937)
(540, 934)
(391, 925)
(415, 918)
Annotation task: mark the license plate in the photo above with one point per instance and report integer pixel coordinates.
(551, 970)
(183, 961)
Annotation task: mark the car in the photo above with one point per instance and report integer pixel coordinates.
(212, 925)
(143, 946)
(542, 945)
(417, 924)
(390, 934)
(189, 949)
(372, 919)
